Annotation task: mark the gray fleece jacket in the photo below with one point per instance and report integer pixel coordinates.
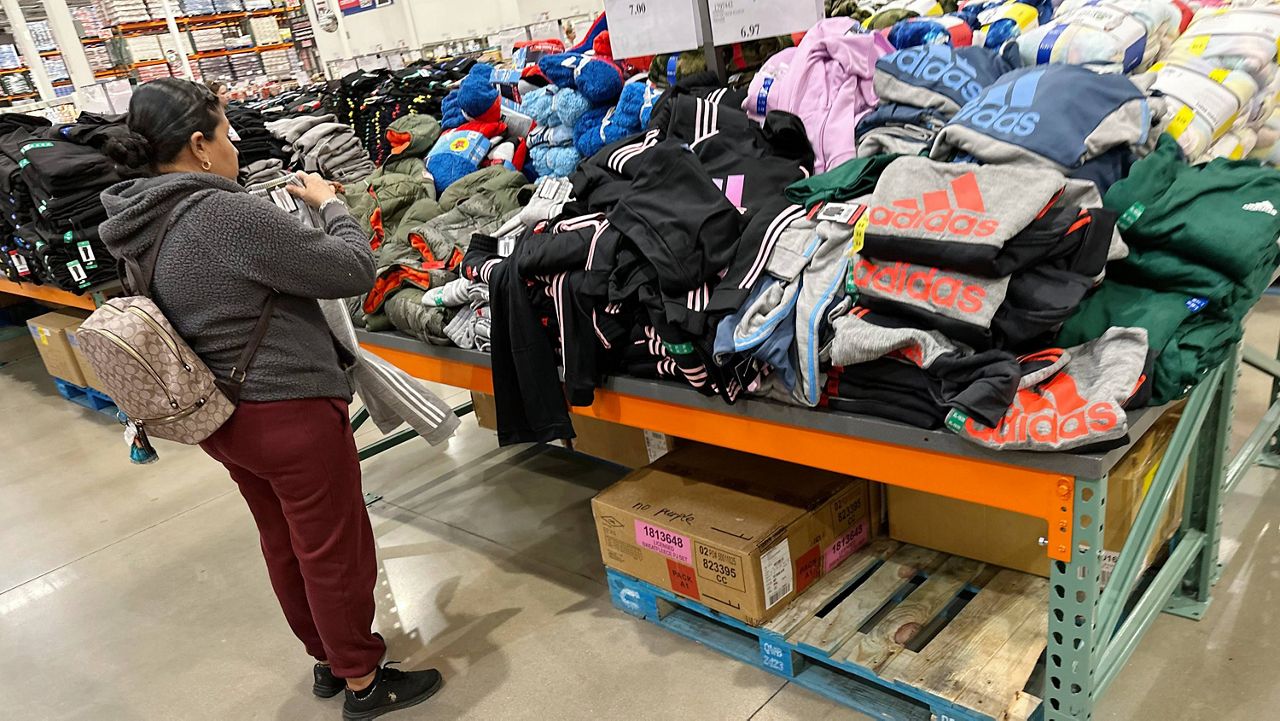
(224, 252)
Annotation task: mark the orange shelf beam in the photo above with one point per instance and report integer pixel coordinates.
(195, 20)
(47, 294)
(8, 71)
(1039, 494)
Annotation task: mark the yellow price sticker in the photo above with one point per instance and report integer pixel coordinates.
(860, 234)
(1023, 15)
(1219, 75)
(1157, 67)
(1180, 121)
(1199, 45)
(1236, 153)
(1226, 126)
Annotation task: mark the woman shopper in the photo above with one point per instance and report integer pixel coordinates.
(289, 445)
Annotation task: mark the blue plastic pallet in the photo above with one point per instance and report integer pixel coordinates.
(92, 399)
(977, 635)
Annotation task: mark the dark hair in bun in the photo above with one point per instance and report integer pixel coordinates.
(163, 115)
(128, 149)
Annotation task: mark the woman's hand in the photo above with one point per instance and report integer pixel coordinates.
(314, 191)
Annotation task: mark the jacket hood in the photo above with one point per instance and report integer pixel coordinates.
(137, 209)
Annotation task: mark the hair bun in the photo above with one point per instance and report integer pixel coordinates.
(128, 148)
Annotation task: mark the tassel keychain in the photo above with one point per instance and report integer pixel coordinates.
(141, 452)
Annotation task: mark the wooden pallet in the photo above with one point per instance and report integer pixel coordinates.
(896, 632)
(94, 400)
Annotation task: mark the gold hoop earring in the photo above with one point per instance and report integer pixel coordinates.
(206, 165)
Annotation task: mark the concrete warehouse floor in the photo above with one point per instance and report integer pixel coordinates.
(139, 592)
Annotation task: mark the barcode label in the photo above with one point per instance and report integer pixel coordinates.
(775, 569)
(283, 200)
(1107, 564)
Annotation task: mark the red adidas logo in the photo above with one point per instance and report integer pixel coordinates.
(931, 286)
(1051, 413)
(937, 214)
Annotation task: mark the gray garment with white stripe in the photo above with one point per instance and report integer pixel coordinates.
(391, 396)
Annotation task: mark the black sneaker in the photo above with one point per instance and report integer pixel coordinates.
(326, 684)
(391, 690)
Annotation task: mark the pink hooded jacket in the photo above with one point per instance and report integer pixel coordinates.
(827, 82)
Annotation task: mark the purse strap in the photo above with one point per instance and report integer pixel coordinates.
(137, 275)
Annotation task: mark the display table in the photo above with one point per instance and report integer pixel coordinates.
(1089, 635)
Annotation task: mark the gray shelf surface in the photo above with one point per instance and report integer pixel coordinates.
(846, 424)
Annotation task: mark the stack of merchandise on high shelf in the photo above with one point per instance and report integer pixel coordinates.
(50, 180)
(115, 12)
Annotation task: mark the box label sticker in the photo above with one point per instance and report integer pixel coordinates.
(721, 567)
(808, 568)
(660, 540)
(683, 580)
(775, 569)
(845, 545)
(847, 507)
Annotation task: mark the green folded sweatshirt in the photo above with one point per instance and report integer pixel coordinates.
(1224, 214)
(851, 179)
(1202, 250)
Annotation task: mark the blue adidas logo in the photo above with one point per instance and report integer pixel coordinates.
(1005, 107)
(938, 64)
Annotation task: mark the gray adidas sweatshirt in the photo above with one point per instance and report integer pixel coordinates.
(224, 252)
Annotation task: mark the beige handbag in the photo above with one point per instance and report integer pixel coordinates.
(151, 373)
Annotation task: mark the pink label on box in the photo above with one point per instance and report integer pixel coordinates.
(660, 540)
(844, 546)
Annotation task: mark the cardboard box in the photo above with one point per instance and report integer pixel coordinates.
(485, 410)
(90, 376)
(50, 333)
(616, 443)
(739, 533)
(613, 442)
(1011, 539)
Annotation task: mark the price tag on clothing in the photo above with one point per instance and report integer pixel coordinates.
(651, 27)
(77, 273)
(87, 256)
(506, 246)
(19, 263)
(736, 21)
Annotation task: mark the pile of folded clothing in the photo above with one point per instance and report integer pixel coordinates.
(615, 268)
(920, 89)
(256, 143)
(64, 170)
(1202, 242)
(1084, 124)
(320, 144)
(18, 261)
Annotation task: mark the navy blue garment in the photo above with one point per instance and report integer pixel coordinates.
(958, 75)
(1048, 112)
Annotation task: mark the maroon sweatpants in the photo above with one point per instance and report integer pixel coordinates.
(296, 465)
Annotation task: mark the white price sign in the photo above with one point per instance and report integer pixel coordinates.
(736, 21)
(652, 27)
